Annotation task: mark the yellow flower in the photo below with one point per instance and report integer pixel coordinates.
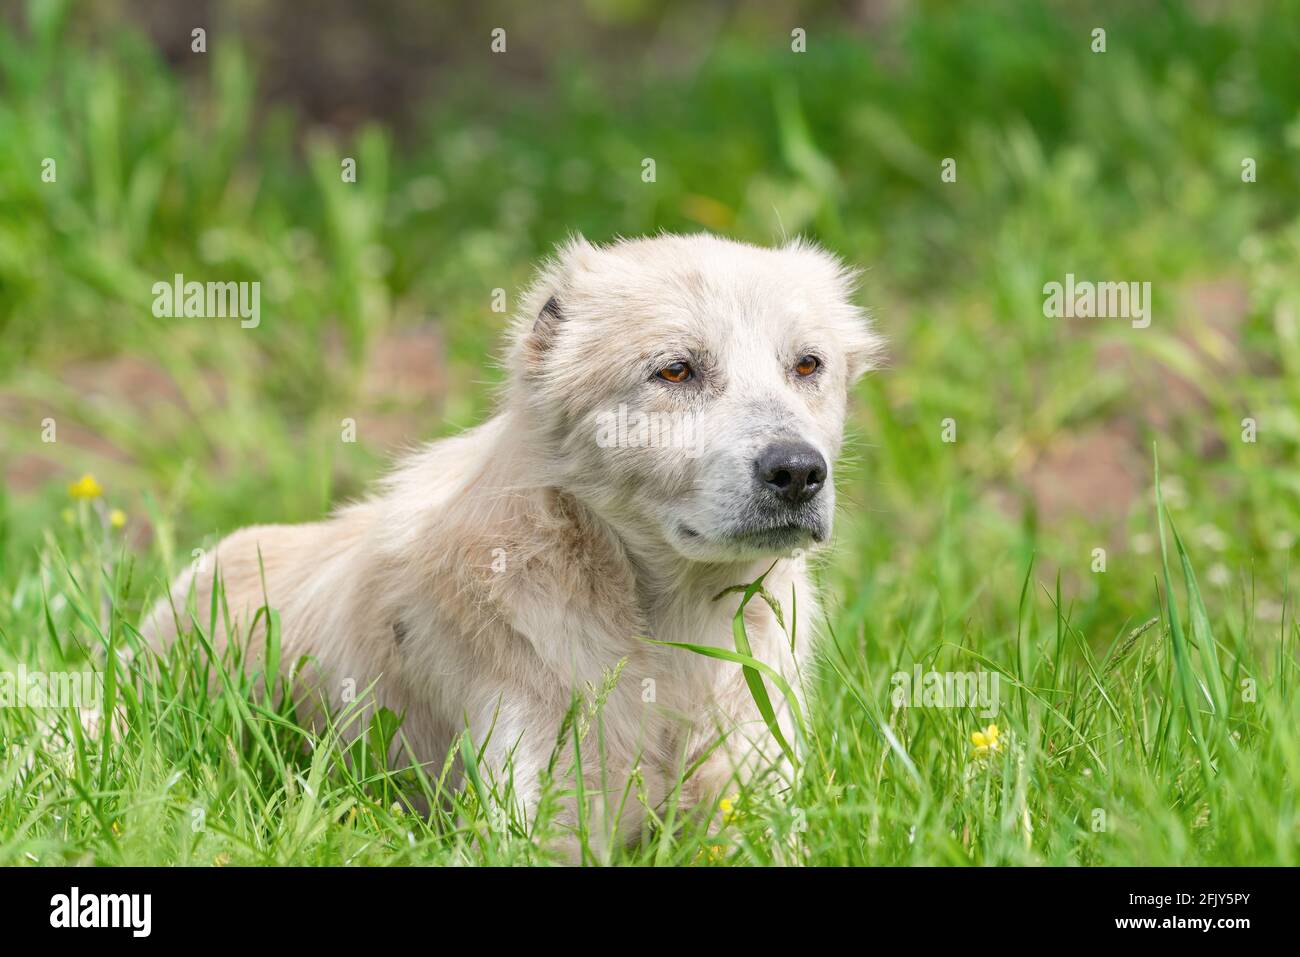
(728, 808)
(117, 518)
(711, 853)
(86, 487)
(986, 740)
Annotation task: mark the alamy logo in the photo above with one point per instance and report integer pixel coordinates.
(1099, 300)
(179, 299)
(947, 689)
(622, 429)
(103, 910)
(50, 689)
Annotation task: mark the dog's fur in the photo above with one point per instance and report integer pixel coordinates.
(498, 573)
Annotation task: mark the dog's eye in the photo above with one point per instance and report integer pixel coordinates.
(807, 365)
(677, 372)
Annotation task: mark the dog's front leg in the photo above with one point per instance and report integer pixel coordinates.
(548, 771)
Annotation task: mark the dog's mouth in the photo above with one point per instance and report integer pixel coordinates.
(781, 537)
(775, 537)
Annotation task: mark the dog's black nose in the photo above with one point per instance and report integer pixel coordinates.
(795, 471)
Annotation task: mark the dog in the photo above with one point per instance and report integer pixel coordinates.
(496, 575)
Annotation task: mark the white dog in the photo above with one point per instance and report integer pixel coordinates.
(673, 410)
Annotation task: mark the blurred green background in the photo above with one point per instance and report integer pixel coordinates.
(377, 295)
(377, 306)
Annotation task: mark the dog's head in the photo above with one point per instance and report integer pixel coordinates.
(691, 390)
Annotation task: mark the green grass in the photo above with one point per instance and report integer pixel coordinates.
(1121, 741)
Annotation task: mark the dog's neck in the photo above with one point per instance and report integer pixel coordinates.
(665, 583)
(663, 577)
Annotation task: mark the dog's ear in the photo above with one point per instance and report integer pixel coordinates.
(866, 348)
(547, 321)
(537, 340)
(863, 347)
(555, 281)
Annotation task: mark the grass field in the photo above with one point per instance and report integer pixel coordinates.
(1148, 712)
